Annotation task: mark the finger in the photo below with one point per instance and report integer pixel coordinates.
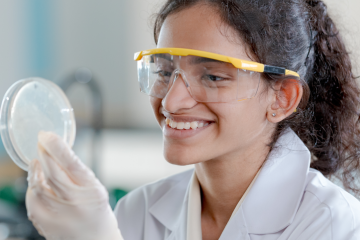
(31, 172)
(40, 195)
(39, 198)
(55, 176)
(32, 206)
(37, 180)
(35, 176)
(78, 172)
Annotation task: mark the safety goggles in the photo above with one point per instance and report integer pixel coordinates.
(208, 77)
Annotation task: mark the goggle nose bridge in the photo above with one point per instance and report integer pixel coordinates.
(181, 72)
(176, 74)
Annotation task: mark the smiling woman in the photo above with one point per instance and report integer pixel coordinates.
(252, 93)
(260, 97)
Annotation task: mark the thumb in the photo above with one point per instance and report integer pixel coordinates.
(60, 151)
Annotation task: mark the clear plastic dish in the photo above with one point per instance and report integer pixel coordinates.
(29, 106)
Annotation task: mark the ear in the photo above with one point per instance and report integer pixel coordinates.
(285, 99)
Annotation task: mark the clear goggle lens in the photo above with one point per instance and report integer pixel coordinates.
(207, 80)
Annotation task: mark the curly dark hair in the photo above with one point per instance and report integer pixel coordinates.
(299, 35)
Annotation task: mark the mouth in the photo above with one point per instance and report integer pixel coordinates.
(177, 129)
(186, 125)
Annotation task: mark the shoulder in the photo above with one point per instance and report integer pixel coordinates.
(329, 209)
(132, 210)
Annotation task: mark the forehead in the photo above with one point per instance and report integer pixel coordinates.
(200, 27)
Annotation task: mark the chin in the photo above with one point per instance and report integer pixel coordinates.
(178, 160)
(181, 158)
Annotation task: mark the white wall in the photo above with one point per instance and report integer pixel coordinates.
(103, 36)
(12, 62)
(346, 15)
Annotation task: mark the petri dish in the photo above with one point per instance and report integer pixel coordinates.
(29, 106)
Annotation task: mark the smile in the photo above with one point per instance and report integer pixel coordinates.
(186, 125)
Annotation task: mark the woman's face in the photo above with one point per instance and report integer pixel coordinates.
(228, 129)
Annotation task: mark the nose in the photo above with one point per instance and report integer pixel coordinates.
(178, 96)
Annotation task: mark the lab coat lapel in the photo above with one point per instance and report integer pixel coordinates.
(274, 198)
(171, 209)
(236, 228)
(272, 202)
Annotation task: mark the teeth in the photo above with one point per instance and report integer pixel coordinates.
(173, 124)
(185, 125)
(180, 125)
(194, 125)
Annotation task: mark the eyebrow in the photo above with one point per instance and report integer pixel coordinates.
(164, 56)
(198, 60)
(194, 59)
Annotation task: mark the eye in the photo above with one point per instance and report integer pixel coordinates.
(213, 78)
(163, 73)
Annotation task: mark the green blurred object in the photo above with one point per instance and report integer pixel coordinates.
(8, 194)
(115, 195)
(14, 192)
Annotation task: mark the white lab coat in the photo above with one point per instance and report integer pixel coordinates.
(288, 200)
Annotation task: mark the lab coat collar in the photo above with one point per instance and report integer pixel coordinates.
(271, 203)
(273, 200)
(170, 209)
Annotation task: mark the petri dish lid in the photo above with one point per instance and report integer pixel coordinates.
(29, 106)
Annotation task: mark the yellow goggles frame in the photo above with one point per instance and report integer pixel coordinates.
(236, 62)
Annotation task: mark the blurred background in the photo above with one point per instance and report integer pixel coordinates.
(87, 47)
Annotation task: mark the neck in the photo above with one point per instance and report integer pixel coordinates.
(224, 181)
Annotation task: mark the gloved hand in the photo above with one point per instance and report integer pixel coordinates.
(64, 199)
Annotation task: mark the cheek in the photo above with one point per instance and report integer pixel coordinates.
(155, 104)
(241, 122)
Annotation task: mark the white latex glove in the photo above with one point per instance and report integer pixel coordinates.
(64, 199)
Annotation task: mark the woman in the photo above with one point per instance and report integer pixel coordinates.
(262, 137)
